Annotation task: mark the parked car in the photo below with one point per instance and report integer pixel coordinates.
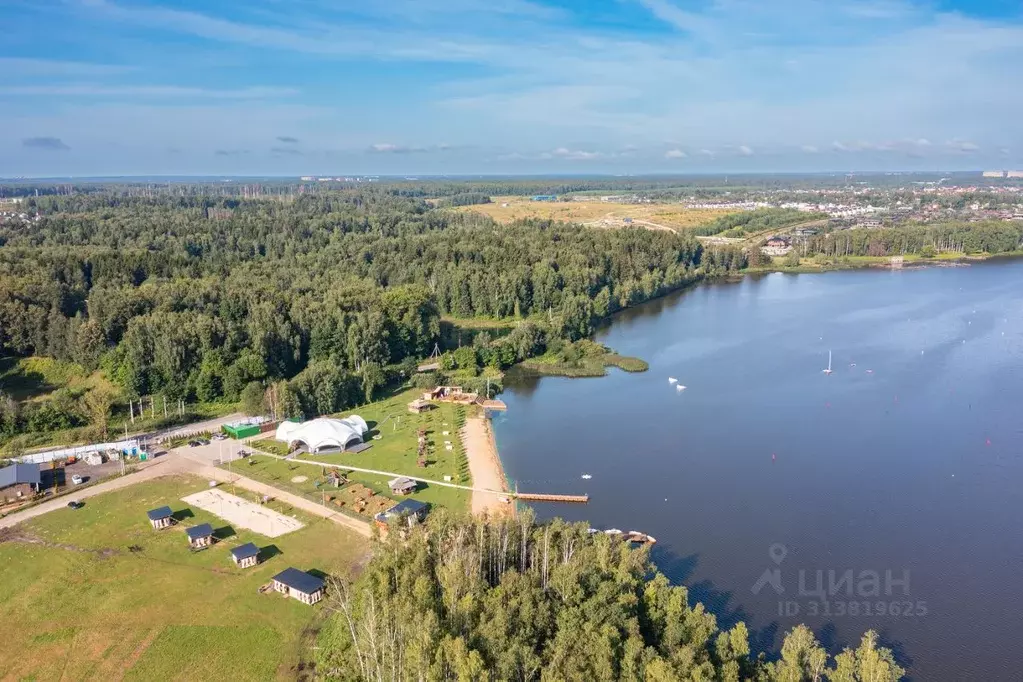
(203, 441)
(77, 479)
(194, 443)
(75, 504)
(219, 436)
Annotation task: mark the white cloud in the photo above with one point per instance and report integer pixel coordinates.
(675, 154)
(810, 149)
(575, 154)
(863, 74)
(963, 146)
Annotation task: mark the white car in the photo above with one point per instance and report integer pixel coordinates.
(76, 479)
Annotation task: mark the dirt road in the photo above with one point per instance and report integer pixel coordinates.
(165, 465)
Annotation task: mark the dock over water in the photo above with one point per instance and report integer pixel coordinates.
(542, 497)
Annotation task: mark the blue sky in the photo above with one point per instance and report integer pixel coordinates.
(294, 87)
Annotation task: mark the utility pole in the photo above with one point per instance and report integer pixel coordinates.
(165, 407)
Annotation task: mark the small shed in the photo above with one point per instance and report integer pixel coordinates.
(201, 536)
(246, 555)
(402, 485)
(413, 511)
(299, 585)
(161, 518)
(419, 405)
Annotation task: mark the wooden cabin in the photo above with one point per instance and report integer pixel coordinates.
(161, 518)
(402, 485)
(299, 585)
(246, 555)
(200, 537)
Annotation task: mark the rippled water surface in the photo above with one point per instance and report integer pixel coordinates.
(905, 463)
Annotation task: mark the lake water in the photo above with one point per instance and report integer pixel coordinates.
(914, 469)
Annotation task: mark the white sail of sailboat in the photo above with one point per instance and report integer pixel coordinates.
(828, 370)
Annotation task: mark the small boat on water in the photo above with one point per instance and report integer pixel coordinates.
(637, 538)
(612, 531)
(679, 387)
(672, 380)
(586, 477)
(828, 370)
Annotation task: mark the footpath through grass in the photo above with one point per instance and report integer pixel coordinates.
(97, 594)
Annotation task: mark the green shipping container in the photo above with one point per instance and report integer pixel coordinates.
(243, 431)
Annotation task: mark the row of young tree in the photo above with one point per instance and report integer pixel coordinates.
(991, 237)
(197, 297)
(466, 599)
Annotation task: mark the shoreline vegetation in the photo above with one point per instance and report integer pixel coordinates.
(583, 358)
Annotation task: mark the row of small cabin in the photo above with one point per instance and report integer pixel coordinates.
(305, 587)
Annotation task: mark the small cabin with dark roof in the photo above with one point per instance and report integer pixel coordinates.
(19, 481)
(245, 555)
(300, 585)
(413, 511)
(201, 536)
(161, 518)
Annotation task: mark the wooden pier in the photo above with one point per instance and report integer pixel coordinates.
(541, 497)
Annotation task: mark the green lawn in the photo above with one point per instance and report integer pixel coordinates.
(78, 604)
(394, 451)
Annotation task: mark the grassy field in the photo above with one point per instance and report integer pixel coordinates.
(77, 603)
(396, 450)
(597, 213)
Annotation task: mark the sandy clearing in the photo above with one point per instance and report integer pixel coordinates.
(485, 467)
(241, 512)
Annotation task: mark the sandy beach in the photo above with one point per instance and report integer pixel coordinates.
(485, 467)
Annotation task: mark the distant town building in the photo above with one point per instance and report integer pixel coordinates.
(994, 174)
(545, 197)
(1014, 174)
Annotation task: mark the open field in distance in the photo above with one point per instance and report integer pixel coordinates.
(596, 212)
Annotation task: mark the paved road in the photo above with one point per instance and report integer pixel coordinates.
(165, 465)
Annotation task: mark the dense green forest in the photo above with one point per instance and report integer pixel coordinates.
(991, 237)
(336, 292)
(512, 600)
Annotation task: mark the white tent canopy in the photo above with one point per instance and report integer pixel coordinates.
(324, 433)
